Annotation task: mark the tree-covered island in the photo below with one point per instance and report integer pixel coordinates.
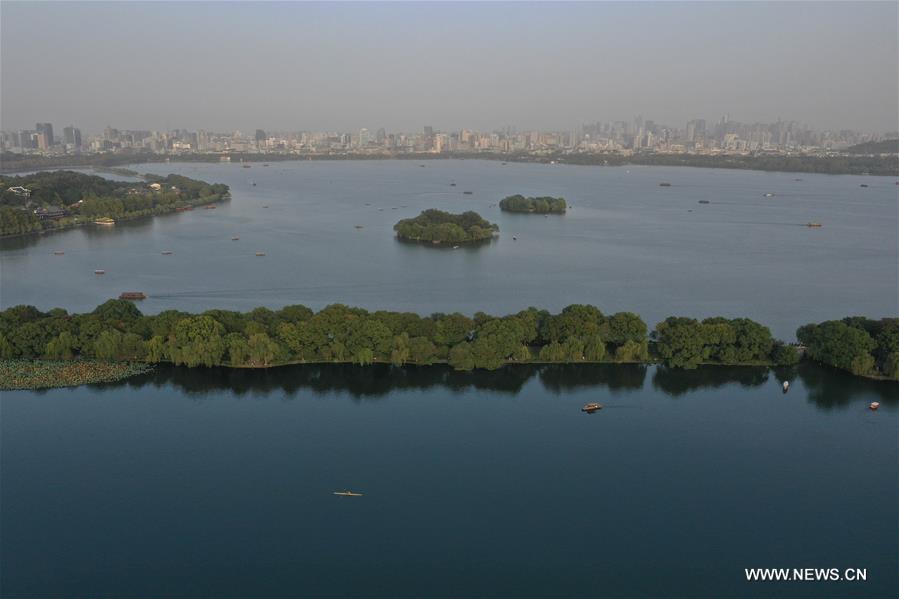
(438, 227)
(54, 200)
(117, 332)
(541, 205)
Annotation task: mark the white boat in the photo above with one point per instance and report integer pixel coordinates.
(874, 405)
(786, 386)
(347, 494)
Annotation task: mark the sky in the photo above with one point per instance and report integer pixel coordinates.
(342, 66)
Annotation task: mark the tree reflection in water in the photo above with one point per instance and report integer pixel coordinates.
(827, 388)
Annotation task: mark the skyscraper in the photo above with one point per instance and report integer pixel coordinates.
(71, 136)
(47, 130)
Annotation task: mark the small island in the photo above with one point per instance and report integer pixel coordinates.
(542, 205)
(438, 227)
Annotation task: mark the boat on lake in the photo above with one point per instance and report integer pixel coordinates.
(591, 407)
(810, 225)
(235, 238)
(664, 184)
(359, 226)
(260, 253)
(167, 252)
(132, 295)
(863, 185)
(874, 405)
(58, 253)
(786, 386)
(468, 193)
(104, 221)
(347, 494)
(184, 208)
(99, 271)
(704, 202)
(246, 165)
(769, 195)
(210, 206)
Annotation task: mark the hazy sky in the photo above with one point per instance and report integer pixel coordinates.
(341, 66)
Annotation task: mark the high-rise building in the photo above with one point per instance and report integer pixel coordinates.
(71, 136)
(47, 130)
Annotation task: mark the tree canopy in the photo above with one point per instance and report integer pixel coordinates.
(438, 227)
(541, 205)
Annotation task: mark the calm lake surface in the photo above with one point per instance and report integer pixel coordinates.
(219, 483)
(627, 244)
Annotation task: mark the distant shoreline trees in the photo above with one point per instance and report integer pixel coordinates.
(438, 227)
(541, 205)
(78, 198)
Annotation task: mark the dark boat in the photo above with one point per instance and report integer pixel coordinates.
(591, 407)
(132, 295)
(704, 202)
(664, 184)
(99, 271)
(863, 185)
(468, 193)
(58, 253)
(167, 253)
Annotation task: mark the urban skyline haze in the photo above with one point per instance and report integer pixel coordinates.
(343, 66)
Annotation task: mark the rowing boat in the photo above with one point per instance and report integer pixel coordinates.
(347, 494)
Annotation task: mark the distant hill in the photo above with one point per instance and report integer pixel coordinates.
(887, 146)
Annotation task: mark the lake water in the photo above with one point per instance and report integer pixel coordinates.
(627, 244)
(218, 483)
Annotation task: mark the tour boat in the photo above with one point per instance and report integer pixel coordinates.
(874, 405)
(813, 225)
(132, 295)
(104, 221)
(786, 386)
(99, 271)
(591, 407)
(347, 494)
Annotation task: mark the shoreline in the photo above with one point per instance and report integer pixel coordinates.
(890, 163)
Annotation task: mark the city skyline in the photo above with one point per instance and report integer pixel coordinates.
(341, 67)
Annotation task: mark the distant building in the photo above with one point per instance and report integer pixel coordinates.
(71, 136)
(20, 191)
(50, 212)
(47, 130)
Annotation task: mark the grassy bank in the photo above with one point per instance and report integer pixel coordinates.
(46, 374)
